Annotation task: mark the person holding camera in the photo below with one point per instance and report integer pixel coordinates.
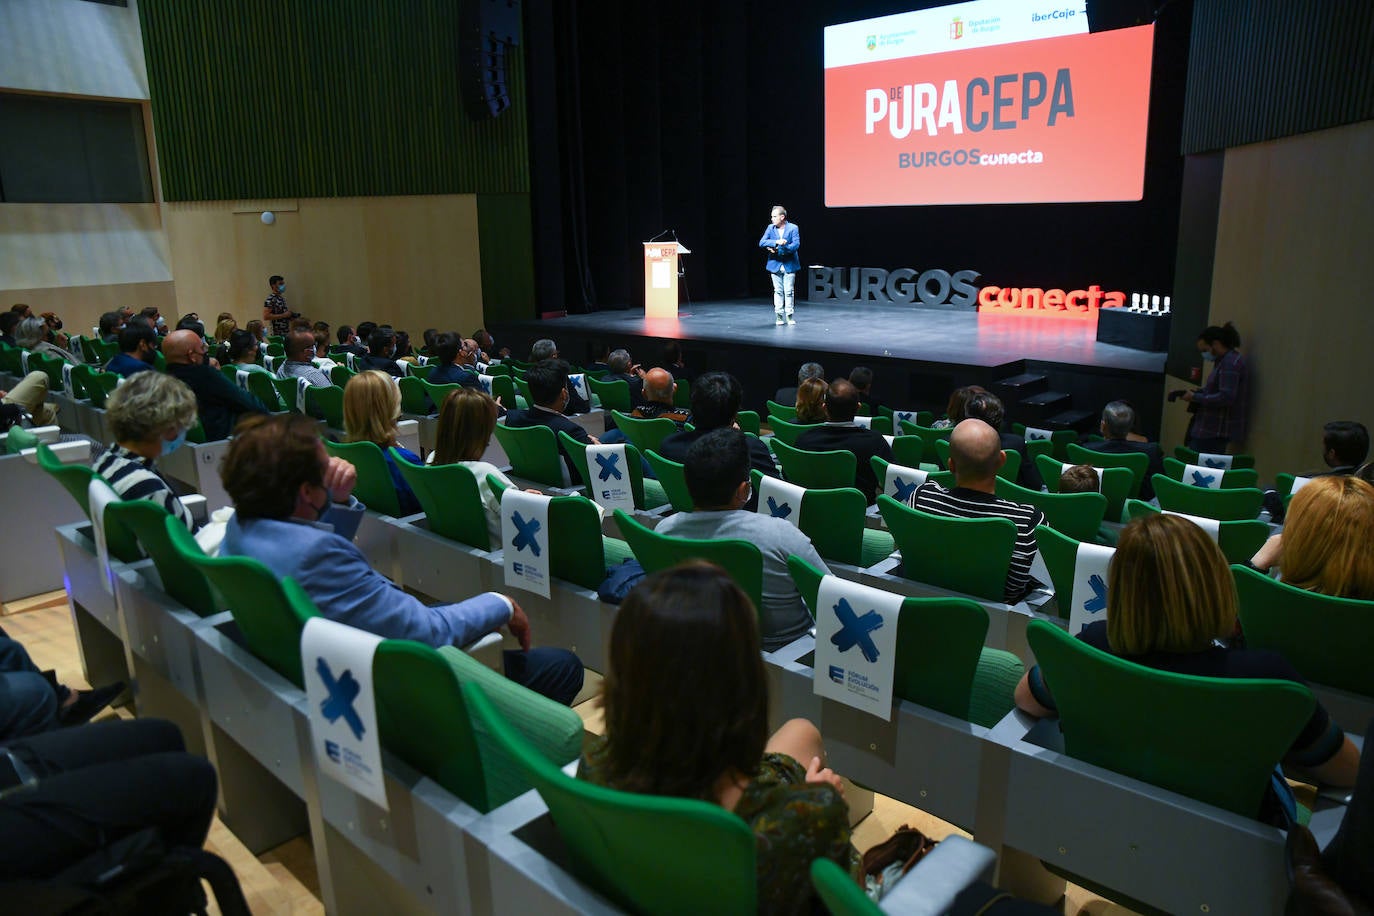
(274, 308)
(782, 240)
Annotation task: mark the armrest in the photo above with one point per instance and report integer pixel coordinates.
(76, 452)
(408, 435)
(930, 888)
(196, 504)
(48, 434)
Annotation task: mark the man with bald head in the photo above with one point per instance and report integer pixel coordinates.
(219, 401)
(841, 433)
(659, 388)
(975, 457)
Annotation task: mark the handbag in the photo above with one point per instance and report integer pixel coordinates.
(883, 865)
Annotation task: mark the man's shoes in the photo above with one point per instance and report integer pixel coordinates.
(777, 321)
(88, 703)
(791, 320)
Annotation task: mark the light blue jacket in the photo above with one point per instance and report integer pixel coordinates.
(322, 558)
(787, 240)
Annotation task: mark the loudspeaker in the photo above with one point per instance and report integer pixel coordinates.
(488, 29)
(1105, 15)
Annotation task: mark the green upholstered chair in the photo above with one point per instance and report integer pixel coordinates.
(82, 379)
(50, 366)
(533, 454)
(1190, 456)
(1230, 480)
(654, 551)
(19, 439)
(100, 385)
(1327, 639)
(1078, 515)
(820, 470)
(648, 493)
(147, 521)
(834, 520)
(326, 402)
(943, 478)
(451, 500)
(787, 432)
(1116, 483)
(375, 488)
(583, 553)
(86, 347)
(340, 375)
(968, 555)
(749, 421)
(420, 372)
(644, 434)
(1010, 470)
(929, 435)
(646, 853)
(909, 451)
(1059, 552)
(287, 390)
(781, 411)
(262, 386)
(1058, 442)
(838, 892)
(503, 389)
(1137, 462)
(1225, 505)
(230, 371)
(672, 478)
(1215, 740)
(613, 395)
(1238, 540)
(414, 398)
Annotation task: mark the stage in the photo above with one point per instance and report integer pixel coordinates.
(1049, 371)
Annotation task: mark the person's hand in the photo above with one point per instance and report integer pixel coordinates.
(595, 441)
(214, 363)
(340, 478)
(519, 625)
(816, 774)
(498, 401)
(1187, 395)
(1270, 554)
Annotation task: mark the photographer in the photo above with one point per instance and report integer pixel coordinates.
(275, 310)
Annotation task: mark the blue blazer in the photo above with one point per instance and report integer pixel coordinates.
(787, 240)
(322, 558)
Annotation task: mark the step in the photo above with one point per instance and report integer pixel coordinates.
(1036, 409)
(1017, 387)
(1081, 421)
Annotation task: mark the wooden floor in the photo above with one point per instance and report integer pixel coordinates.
(284, 881)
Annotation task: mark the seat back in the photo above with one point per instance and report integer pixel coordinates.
(99, 387)
(1116, 483)
(147, 521)
(1056, 445)
(1059, 551)
(1230, 480)
(1077, 515)
(327, 402)
(451, 500)
(1226, 505)
(672, 477)
(577, 451)
(503, 389)
(287, 389)
(260, 386)
(968, 555)
(575, 526)
(1215, 740)
(834, 520)
(1011, 460)
(821, 470)
(421, 372)
(787, 432)
(375, 488)
(781, 411)
(83, 380)
(654, 551)
(413, 395)
(929, 435)
(647, 853)
(533, 453)
(1319, 635)
(19, 439)
(1238, 540)
(1138, 463)
(614, 395)
(838, 891)
(908, 451)
(340, 375)
(437, 393)
(644, 434)
(50, 365)
(1188, 455)
(270, 612)
(749, 421)
(75, 478)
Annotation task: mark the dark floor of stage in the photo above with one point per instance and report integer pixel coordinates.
(877, 329)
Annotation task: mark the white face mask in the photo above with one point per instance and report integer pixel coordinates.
(161, 322)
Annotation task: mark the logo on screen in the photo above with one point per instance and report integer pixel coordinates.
(956, 29)
(871, 43)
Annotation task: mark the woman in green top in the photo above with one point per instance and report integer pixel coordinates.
(686, 702)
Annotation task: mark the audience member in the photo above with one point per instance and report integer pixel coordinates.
(954, 410)
(598, 356)
(403, 349)
(986, 406)
(861, 377)
(625, 369)
(548, 381)
(223, 329)
(1345, 446)
(32, 702)
(111, 323)
(1220, 406)
(543, 349)
(300, 350)
(456, 361)
(381, 352)
(659, 391)
(1325, 544)
(191, 322)
(32, 335)
(219, 401)
(8, 322)
(259, 332)
(1170, 598)
(138, 348)
(839, 432)
(467, 419)
(811, 401)
(1118, 419)
(1080, 478)
(295, 512)
(350, 342)
(717, 472)
(243, 352)
(975, 456)
(712, 743)
(153, 316)
(486, 346)
(22, 310)
(371, 407)
(323, 361)
(31, 396)
(807, 370)
(716, 397)
(149, 416)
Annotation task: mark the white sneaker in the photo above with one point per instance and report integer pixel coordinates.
(791, 320)
(777, 320)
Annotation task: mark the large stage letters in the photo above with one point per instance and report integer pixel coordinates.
(933, 288)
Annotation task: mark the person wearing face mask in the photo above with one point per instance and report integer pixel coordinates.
(1220, 406)
(275, 310)
(138, 343)
(219, 401)
(381, 345)
(155, 319)
(149, 415)
(717, 472)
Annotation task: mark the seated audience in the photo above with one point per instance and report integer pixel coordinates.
(31, 396)
(455, 361)
(32, 334)
(543, 349)
(381, 353)
(861, 377)
(716, 397)
(598, 356)
(191, 322)
(623, 368)
(975, 456)
(1118, 419)
(371, 408)
(954, 410)
(714, 744)
(300, 350)
(467, 419)
(1170, 598)
(1080, 478)
(987, 407)
(295, 513)
(32, 702)
(1325, 544)
(149, 416)
(403, 350)
(8, 322)
(244, 353)
(659, 389)
(548, 381)
(111, 323)
(323, 361)
(259, 332)
(430, 337)
(811, 401)
(153, 316)
(138, 348)
(219, 402)
(350, 342)
(486, 346)
(839, 432)
(807, 370)
(717, 472)
(223, 329)
(1345, 446)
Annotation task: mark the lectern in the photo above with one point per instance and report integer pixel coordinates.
(660, 278)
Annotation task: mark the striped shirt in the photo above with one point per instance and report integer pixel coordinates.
(133, 477)
(965, 503)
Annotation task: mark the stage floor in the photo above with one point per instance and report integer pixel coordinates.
(872, 328)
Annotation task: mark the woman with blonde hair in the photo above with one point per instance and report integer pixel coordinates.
(811, 401)
(1170, 599)
(371, 407)
(149, 415)
(1326, 542)
(467, 419)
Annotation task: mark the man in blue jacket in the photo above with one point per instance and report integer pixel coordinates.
(782, 240)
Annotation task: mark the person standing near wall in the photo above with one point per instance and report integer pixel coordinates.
(782, 240)
(1220, 406)
(275, 310)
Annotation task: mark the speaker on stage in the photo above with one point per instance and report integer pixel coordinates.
(1105, 15)
(488, 29)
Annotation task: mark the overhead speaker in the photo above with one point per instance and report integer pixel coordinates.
(488, 29)
(1105, 15)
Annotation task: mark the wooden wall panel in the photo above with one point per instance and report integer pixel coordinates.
(80, 307)
(72, 47)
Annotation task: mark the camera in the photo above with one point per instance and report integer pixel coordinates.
(1175, 395)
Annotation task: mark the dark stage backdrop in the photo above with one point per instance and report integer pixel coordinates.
(699, 117)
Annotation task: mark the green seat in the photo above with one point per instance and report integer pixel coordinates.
(147, 521)
(1283, 486)
(1137, 462)
(1238, 540)
(50, 366)
(786, 432)
(74, 478)
(646, 853)
(613, 395)
(648, 494)
(340, 375)
(881, 425)
(584, 553)
(414, 399)
(326, 402)
(1011, 467)
(230, 371)
(834, 520)
(522, 389)
(533, 454)
(1326, 639)
(99, 387)
(749, 421)
(286, 391)
(1230, 480)
(908, 451)
(269, 611)
(781, 411)
(672, 478)
(1059, 552)
(89, 352)
(276, 349)
(838, 891)
(821, 470)
(1077, 515)
(654, 551)
(503, 389)
(967, 555)
(943, 478)
(644, 434)
(375, 488)
(19, 439)
(1225, 505)
(1190, 456)
(1056, 445)
(437, 393)
(1215, 740)
(1116, 483)
(261, 385)
(451, 500)
(10, 360)
(420, 372)
(682, 395)
(929, 435)
(499, 369)
(83, 380)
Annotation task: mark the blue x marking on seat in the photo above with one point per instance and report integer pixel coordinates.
(1098, 602)
(486, 384)
(608, 464)
(525, 532)
(778, 511)
(342, 693)
(903, 489)
(904, 415)
(854, 630)
(1203, 480)
(1214, 462)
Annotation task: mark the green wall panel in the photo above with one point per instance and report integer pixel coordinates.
(504, 237)
(308, 98)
